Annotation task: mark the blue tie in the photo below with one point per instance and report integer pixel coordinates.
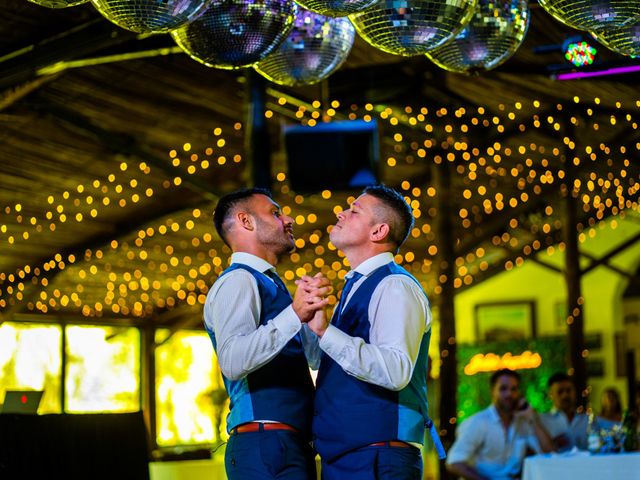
(345, 291)
(277, 280)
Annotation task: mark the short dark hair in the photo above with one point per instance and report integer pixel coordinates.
(228, 202)
(557, 378)
(402, 222)
(503, 371)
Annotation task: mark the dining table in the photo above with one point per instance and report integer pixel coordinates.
(582, 465)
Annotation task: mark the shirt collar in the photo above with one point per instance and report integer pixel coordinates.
(493, 412)
(560, 413)
(252, 261)
(371, 264)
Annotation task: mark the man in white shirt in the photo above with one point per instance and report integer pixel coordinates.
(567, 427)
(371, 408)
(492, 443)
(260, 336)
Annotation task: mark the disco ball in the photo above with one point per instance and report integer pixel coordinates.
(336, 8)
(236, 33)
(316, 47)
(495, 32)
(412, 27)
(151, 16)
(58, 3)
(622, 40)
(593, 14)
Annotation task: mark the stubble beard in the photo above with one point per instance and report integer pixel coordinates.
(278, 241)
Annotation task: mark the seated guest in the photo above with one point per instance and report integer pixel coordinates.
(493, 442)
(567, 427)
(610, 405)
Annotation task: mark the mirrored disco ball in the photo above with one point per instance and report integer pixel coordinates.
(58, 3)
(622, 40)
(316, 47)
(150, 16)
(236, 33)
(494, 34)
(336, 8)
(593, 14)
(412, 27)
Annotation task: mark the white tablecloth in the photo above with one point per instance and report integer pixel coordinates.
(582, 466)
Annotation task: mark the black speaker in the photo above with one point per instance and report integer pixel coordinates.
(341, 155)
(74, 447)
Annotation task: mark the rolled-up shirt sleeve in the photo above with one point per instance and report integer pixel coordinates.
(399, 315)
(232, 313)
(469, 439)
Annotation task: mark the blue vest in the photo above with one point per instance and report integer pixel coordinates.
(281, 390)
(350, 413)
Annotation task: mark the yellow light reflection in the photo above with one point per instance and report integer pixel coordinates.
(192, 404)
(103, 369)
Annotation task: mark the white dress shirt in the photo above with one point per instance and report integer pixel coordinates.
(399, 315)
(232, 312)
(495, 452)
(557, 423)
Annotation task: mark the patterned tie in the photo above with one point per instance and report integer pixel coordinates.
(345, 291)
(277, 280)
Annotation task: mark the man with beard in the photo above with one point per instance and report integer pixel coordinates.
(492, 443)
(567, 427)
(371, 405)
(260, 337)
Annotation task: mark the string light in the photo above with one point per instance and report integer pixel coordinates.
(174, 261)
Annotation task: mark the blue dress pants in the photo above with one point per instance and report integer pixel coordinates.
(375, 463)
(269, 455)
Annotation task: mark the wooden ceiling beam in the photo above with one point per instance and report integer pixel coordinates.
(21, 66)
(498, 223)
(70, 319)
(498, 266)
(633, 278)
(612, 253)
(629, 276)
(123, 144)
(546, 265)
(12, 95)
(182, 318)
(169, 317)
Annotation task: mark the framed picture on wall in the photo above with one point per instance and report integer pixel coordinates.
(503, 321)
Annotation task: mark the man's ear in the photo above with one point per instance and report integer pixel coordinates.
(380, 232)
(245, 220)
